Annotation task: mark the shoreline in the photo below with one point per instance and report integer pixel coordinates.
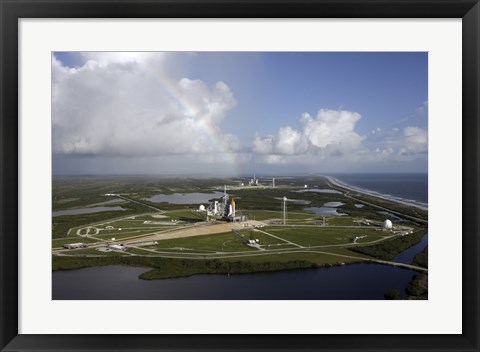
(336, 182)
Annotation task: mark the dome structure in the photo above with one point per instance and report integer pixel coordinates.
(201, 208)
(387, 224)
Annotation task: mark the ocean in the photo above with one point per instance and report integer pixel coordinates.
(404, 186)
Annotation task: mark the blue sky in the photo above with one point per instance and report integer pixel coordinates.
(239, 112)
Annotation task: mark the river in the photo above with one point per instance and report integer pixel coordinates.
(349, 282)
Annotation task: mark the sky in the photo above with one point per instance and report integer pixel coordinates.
(236, 113)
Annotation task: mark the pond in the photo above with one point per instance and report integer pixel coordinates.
(395, 217)
(324, 211)
(328, 209)
(333, 204)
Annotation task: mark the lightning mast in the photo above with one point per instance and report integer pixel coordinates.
(284, 209)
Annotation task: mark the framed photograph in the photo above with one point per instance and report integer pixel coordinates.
(239, 176)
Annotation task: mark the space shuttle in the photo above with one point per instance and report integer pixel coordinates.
(232, 208)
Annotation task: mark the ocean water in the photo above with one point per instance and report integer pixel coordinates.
(410, 187)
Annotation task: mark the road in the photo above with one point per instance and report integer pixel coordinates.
(146, 205)
(223, 255)
(279, 238)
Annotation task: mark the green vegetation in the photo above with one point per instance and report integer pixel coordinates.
(176, 267)
(164, 268)
(421, 259)
(89, 252)
(389, 248)
(221, 242)
(73, 239)
(126, 233)
(340, 221)
(418, 287)
(392, 295)
(319, 236)
(186, 215)
(61, 224)
(180, 268)
(371, 238)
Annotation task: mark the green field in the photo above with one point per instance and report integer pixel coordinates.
(320, 236)
(86, 251)
(387, 250)
(304, 243)
(221, 242)
(186, 215)
(73, 239)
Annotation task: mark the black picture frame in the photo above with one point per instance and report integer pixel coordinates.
(13, 10)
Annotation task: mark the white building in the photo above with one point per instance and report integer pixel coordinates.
(387, 225)
(117, 247)
(74, 245)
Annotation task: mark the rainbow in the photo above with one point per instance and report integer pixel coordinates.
(209, 132)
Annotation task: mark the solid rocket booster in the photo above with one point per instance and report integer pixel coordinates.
(231, 209)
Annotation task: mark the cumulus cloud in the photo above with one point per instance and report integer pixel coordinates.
(125, 104)
(409, 143)
(331, 139)
(330, 133)
(415, 140)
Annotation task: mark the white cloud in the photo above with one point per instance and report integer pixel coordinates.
(410, 143)
(332, 128)
(415, 140)
(330, 134)
(330, 140)
(125, 104)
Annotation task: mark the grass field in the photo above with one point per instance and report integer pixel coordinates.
(83, 252)
(221, 242)
(278, 247)
(73, 239)
(186, 215)
(319, 236)
(274, 214)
